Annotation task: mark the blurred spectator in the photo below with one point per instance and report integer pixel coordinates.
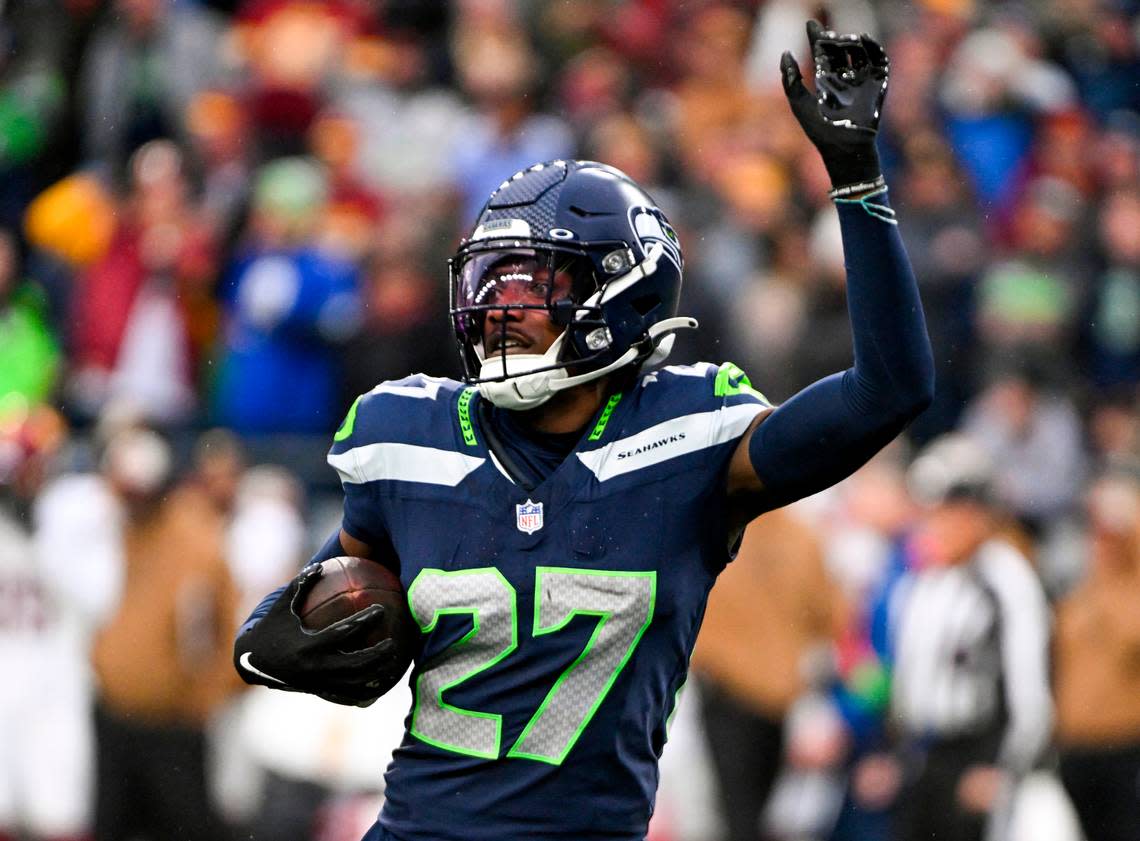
(1114, 426)
(290, 304)
(218, 466)
(162, 659)
(824, 343)
(266, 538)
(1030, 301)
(408, 123)
(775, 591)
(993, 83)
(1032, 433)
(874, 514)
(293, 50)
(625, 142)
(968, 631)
(1116, 153)
(1098, 664)
(1099, 46)
(45, 767)
(1113, 324)
(497, 68)
(753, 192)
(595, 85)
(135, 308)
(34, 99)
(402, 331)
(143, 66)
(1060, 150)
(944, 235)
(221, 154)
(354, 208)
(29, 352)
(713, 103)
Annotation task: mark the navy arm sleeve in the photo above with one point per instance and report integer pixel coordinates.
(831, 428)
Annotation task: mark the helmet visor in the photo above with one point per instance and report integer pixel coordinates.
(518, 278)
(502, 283)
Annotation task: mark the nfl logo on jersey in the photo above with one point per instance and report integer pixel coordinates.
(529, 516)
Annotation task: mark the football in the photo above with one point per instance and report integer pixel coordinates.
(348, 585)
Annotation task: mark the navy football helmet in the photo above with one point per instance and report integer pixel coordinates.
(583, 242)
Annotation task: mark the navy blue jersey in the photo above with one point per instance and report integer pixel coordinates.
(557, 623)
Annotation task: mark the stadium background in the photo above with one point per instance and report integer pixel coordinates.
(222, 221)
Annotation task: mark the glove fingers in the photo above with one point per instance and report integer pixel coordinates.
(802, 102)
(815, 31)
(351, 626)
(845, 59)
(378, 654)
(875, 53)
(384, 648)
(299, 587)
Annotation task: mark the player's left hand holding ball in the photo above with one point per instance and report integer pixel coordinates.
(842, 117)
(279, 652)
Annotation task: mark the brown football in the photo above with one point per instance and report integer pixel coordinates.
(348, 585)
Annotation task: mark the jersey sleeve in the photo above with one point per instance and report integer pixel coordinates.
(689, 418)
(734, 398)
(373, 444)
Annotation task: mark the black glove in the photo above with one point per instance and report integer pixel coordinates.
(279, 652)
(842, 118)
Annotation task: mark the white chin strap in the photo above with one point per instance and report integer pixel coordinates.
(527, 388)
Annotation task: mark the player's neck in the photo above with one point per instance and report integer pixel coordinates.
(569, 410)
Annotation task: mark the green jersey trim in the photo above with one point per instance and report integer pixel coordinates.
(345, 430)
(731, 379)
(600, 426)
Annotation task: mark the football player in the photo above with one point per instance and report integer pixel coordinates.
(558, 519)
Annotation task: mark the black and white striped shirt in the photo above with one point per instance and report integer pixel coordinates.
(971, 652)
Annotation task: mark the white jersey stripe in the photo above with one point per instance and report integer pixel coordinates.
(428, 391)
(675, 437)
(403, 463)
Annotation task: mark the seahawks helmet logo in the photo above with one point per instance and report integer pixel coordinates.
(650, 226)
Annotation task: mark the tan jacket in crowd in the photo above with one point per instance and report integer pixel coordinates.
(1098, 651)
(165, 655)
(773, 603)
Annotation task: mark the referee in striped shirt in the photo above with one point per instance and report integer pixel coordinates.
(968, 632)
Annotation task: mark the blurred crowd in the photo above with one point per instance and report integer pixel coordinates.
(220, 220)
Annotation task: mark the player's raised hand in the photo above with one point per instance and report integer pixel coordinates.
(842, 117)
(280, 653)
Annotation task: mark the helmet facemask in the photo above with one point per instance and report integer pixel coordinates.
(493, 286)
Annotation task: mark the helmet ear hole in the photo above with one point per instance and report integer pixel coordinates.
(645, 304)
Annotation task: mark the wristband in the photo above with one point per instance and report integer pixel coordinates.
(850, 189)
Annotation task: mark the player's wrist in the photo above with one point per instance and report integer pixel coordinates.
(851, 167)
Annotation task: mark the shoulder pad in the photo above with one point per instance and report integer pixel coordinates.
(414, 429)
(409, 410)
(703, 386)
